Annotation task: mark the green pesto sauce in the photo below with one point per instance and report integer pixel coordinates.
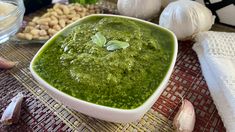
(124, 78)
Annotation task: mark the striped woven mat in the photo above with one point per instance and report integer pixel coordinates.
(40, 112)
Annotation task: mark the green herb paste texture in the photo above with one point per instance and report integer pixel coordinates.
(123, 78)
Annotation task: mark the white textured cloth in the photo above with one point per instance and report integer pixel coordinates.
(216, 53)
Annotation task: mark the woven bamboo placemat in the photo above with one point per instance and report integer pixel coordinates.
(40, 112)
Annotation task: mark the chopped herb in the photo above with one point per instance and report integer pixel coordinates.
(125, 79)
(83, 1)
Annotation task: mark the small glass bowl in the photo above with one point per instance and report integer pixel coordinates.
(11, 21)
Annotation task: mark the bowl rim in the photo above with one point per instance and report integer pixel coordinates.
(135, 110)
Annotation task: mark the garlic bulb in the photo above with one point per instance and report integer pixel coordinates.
(184, 120)
(186, 18)
(143, 9)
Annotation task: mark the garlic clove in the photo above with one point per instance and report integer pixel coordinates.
(12, 113)
(6, 64)
(185, 118)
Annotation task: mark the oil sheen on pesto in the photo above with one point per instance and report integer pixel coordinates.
(123, 78)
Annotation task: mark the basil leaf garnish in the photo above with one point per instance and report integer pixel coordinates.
(99, 39)
(115, 45)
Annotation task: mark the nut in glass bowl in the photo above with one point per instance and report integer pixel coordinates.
(11, 17)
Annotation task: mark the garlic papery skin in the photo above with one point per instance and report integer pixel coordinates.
(186, 18)
(143, 9)
(6, 64)
(185, 118)
(12, 113)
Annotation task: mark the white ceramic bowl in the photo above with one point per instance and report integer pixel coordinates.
(99, 111)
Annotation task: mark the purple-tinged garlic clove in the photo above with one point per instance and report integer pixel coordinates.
(12, 112)
(185, 118)
(6, 64)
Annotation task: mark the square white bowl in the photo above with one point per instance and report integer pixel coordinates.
(99, 111)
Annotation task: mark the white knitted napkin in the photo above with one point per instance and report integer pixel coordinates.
(216, 53)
